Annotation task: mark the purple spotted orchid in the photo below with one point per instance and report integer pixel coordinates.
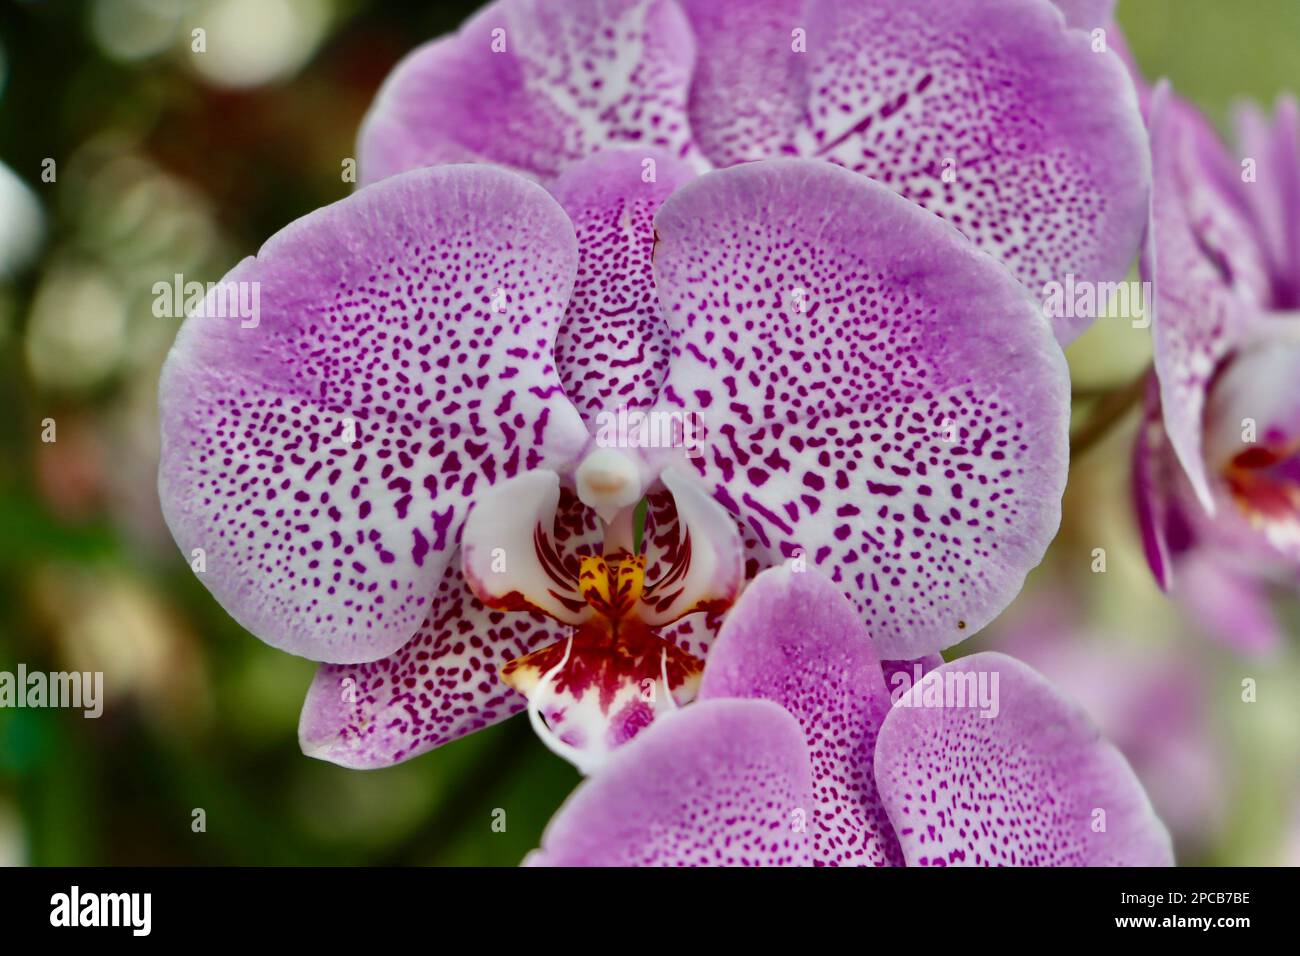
(908, 431)
(1217, 466)
(795, 755)
(418, 470)
(325, 459)
(1005, 117)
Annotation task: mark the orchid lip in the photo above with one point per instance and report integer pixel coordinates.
(617, 670)
(614, 674)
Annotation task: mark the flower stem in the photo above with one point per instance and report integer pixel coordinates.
(1109, 409)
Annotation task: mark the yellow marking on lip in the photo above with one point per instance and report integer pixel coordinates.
(613, 584)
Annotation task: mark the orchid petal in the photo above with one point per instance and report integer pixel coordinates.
(720, 783)
(533, 85)
(703, 569)
(441, 685)
(749, 92)
(1087, 14)
(793, 638)
(984, 764)
(990, 113)
(901, 676)
(1152, 700)
(1229, 604)
(1207, 270)
(1275, 192)
(446, 681)
(612, 348)
(877, 394)
(323, 458)
(1155, 479)
(509, 554)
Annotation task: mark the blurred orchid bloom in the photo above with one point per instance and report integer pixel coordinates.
(793, 755)
(1153, 701)
(998, 115)
(907, 431)
(1217, 464)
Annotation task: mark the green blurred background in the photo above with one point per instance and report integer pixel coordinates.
(169, 162)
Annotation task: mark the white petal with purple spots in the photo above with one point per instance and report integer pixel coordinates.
(323, 459)
(612, 348)
(877, 394)
(984, 764)
(444, 683)
(719, 783)
(794, 639)
(534, 85)
(990, 113)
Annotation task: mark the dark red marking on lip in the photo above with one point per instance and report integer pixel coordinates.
(1265, 481)
(551, 561)
(607, 655)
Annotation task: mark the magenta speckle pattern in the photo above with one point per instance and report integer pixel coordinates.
(794, 639)
(535, 86)
(749, 90)
(442, 684)
(1034, 785)
(445, 681)
(895, 98)
(324, 459)
(878, 395)
(986, 112)
(612, 348)
(719, 783)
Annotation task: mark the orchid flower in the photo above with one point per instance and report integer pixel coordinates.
(1217, 466)
(1152, 699)
(391, 473)
(998, 115)
(794, 755)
